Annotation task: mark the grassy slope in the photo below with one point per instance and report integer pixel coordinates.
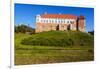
(29, 54)
(60, 38)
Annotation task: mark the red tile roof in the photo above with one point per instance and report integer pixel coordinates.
(64, 16)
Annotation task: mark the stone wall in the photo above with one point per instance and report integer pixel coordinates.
(76, 25)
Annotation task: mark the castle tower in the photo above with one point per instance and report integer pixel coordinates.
(81, 23)
(38, 24)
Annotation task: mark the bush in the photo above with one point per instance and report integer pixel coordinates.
(59, 38)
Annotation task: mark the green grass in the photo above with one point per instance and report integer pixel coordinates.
(60, 38)
(35, 54)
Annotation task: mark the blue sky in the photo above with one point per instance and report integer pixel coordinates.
(26, 13)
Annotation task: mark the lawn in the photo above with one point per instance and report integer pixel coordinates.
(35, 54)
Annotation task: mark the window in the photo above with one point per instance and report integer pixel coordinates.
(67, 21)
(52, 21)
(59, 21)
(64, 21)
(46, 21)
(55, 21)
(37, 20)
(71, 21)
(41, 20)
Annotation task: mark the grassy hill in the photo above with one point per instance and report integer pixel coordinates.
(53, 47)
(60, 38)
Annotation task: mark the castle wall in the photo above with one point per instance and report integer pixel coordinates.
(74, 26)
(48, 24)
(81, 25)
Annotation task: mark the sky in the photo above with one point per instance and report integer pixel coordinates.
(26, 13)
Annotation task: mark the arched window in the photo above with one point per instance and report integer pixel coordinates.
(68, 27)
(57, 27)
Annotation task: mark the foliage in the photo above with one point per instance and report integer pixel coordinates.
(91, 32)
(60, 38)
(24, 29)
(30, 54)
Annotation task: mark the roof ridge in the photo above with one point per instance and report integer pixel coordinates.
(69, 16)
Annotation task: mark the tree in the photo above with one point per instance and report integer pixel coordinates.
(23, 29)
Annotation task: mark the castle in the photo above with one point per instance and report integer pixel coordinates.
(63, 22)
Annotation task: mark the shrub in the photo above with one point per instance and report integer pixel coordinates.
(59, 38)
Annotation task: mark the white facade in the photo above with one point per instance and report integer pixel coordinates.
(53, 20)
